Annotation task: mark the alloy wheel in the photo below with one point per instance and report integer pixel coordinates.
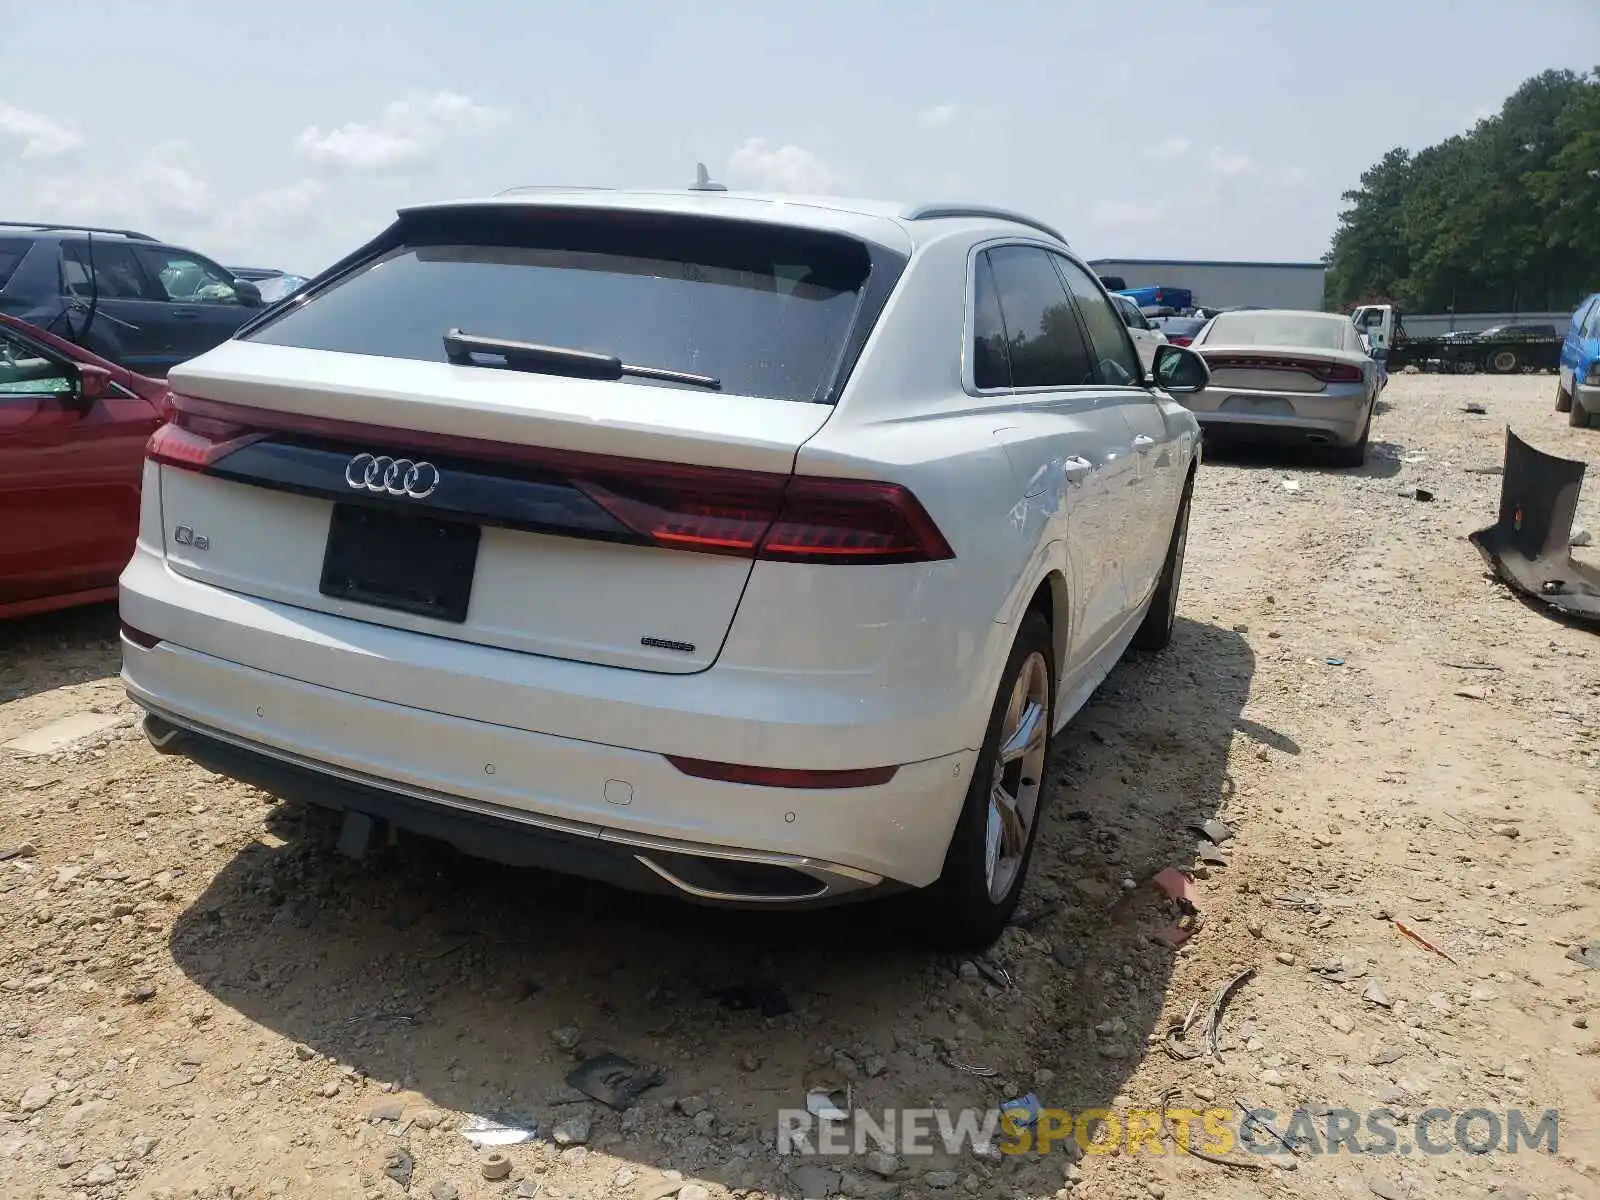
(1018, 776)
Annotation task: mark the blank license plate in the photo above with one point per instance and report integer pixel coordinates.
(398, 561)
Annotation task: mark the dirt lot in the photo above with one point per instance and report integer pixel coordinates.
(198, 997)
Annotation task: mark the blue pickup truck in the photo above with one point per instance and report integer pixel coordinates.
(1176, 298)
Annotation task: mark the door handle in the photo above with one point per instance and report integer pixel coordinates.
(1076, 469)
(1143, 443)
(185, 314)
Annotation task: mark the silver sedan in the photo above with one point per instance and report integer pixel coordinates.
(1289, 377)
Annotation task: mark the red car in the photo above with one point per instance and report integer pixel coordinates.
(73, 428)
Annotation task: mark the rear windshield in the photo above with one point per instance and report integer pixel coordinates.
(1280, 329)
(766, 310)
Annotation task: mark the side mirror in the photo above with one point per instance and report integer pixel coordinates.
(94, 383)
(1179, 370)
(249, 294)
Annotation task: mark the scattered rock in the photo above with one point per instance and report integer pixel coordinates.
(1507, 831)
(329, 1090)
(37, 1096)
(1272, 1077)
(574, 1131)
(443, 1189)
(427, 1118)
(100, 1174)
(940, 1180)
(1285, 958)
(694, 1191)
(691, 1106)
(1374, 994)
(1256, 927)
(1342, 1023)
(142, 992)
(882, 1164)
(566, 1036)
(142, 1145)
(304, 1052)
(1579, 536)
(391, 1109)
(1473, 692)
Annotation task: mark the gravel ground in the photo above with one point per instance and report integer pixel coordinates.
(198, 997)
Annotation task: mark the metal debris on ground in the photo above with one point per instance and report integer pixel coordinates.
(1472, 666)
(1255, 1115)
(397, 1166)
(1586, 955)
(1214, 1015)
(1186, 1144)
(1213, 829)
(998, 976)
(1290, 485)
(1422, 941)
(502, 1129)
(1417, 493)
(613, 1080)
(1334, 662)
(971, 1069)
(1484, 470)
(1474, 407)
(1173, 1042)
(495, 1166)
(1210, 855)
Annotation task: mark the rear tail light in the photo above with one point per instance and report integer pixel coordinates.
(1178, 339)
(1326, 372)
(709, 510)
(773, 517)
(194, 441)
(782, 777)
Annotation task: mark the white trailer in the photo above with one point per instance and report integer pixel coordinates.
(1224, 284)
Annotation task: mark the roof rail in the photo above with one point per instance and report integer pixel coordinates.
(54, 226)
(554, 187)
(940, 211)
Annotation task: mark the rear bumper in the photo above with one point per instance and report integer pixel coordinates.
(601, 793)
(1588, 396)
(1317, 419)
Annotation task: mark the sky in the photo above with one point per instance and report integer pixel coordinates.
(285, 133)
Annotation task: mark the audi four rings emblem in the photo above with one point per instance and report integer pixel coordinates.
(393, 476)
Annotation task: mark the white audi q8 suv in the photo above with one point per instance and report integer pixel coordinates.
(749, 549)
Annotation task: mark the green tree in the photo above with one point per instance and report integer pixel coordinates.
(1504, 216)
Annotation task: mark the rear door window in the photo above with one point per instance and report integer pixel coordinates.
(767, 310)
(1116, 361)
(1046, 343)
(117, 275)
(1592, 327)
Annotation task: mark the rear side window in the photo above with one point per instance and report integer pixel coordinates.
(1046, 343)
(991, 360)
(766, 310)
(12, 252)
(1592, 327)
(1116, 361)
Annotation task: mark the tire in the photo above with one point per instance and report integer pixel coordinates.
(1355, 456)
(1503, 362)
(969, 905)
(1156, 630)
(1563, 401)
(1577, 415)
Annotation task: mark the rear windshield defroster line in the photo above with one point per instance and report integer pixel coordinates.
(769, 311)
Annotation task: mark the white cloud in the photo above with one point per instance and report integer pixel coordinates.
(41, 136)
(1229, 163)
(1293, 177)
(938, 116)
(169, 179)
(787, 168)
(1127, 212)
(407, 133)
(1173, 147)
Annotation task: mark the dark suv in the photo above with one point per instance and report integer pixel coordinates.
(122, 294)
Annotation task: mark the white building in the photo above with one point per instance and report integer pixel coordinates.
(1224, 284)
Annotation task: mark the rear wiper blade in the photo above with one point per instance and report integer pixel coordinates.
(459, 347)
